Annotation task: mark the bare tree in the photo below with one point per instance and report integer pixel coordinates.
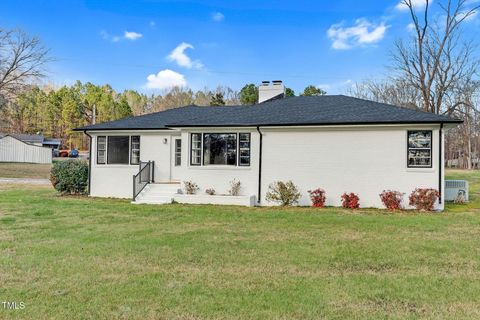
(394, 91)
(462, 143)
(22, 61)
(437, 58)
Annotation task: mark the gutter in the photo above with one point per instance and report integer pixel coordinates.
(308, 124)
(440, 164)
(89, 161)
(259, 195)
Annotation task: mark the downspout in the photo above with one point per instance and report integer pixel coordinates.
(259, 195)
(440, 164)
(89, 161)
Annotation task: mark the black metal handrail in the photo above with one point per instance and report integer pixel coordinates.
(143, 177)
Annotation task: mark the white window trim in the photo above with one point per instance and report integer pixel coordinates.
(117, 165)
(432, 151)
(201, 166)
(177, 152)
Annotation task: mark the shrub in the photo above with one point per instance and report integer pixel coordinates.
(318, 197)
(285, 193)
(392, 200)
(70, 177)
(210, 191)
(350, 200)
(423, 198)
(235, 187)
(190, 187)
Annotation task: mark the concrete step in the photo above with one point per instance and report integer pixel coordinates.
(158, 193)
(154, 200)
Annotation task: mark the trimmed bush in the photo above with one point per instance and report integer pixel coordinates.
(285, 193)
(423, 198)
(235, 187)
(70, 177)
(392, 200)
(350, 201)
(210, 191)
(318, 197)
(190, 187)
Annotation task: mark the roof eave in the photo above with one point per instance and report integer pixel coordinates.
(456, 122)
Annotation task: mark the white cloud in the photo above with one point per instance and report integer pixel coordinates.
(335, 87)
(410, 27)
(131, 35)
(128, 35)
(218, 16)
(417, 4)
(165, 79)
(178, 55)
(361, 33)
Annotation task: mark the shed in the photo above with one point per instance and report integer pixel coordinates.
(15, 150)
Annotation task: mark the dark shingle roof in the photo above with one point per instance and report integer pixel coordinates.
(320, 110)
(29, 138)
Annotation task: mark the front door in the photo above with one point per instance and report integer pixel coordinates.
(176, 160)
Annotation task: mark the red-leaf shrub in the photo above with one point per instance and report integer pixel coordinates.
(423, 198)
(392, 200)
(318, 197)
(350, 200)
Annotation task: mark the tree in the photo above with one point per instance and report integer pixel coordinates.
(173, 98)
(23, 59)
(203, 97)
(436, 58)
(289, 92)
(217, 100)
(137, 102)
(394, 91)
(249, 94)
(313, 91)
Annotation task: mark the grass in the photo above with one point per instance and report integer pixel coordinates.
(79, 258)
(24, 170)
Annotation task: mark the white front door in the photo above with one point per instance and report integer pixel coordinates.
(176, 157)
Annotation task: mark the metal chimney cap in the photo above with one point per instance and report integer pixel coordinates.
(265, 83)
(277, 82)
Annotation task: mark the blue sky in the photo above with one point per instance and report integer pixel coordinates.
(148, 45)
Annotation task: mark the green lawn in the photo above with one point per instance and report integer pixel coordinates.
(79, 258)
(24, 170)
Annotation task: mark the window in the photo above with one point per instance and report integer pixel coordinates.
(220, 149)
(134, 149)
(117, 150)
(419, 149)
(101, 149)
(244, 149)
(178, 152)
(196, 155)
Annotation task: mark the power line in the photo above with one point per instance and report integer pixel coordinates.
(146, 66)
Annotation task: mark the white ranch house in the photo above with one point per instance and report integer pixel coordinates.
(338, 143)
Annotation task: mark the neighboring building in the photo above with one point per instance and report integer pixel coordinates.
(36, 139)
(338, 143)
(13, 149)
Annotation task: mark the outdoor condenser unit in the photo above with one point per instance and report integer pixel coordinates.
(456, 188)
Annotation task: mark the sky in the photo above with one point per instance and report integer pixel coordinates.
(150, 45)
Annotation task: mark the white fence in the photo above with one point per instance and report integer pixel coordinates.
(14, 150)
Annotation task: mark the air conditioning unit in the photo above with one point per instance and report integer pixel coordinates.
(456, 188)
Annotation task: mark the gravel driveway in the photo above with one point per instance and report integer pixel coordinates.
(25, 181)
